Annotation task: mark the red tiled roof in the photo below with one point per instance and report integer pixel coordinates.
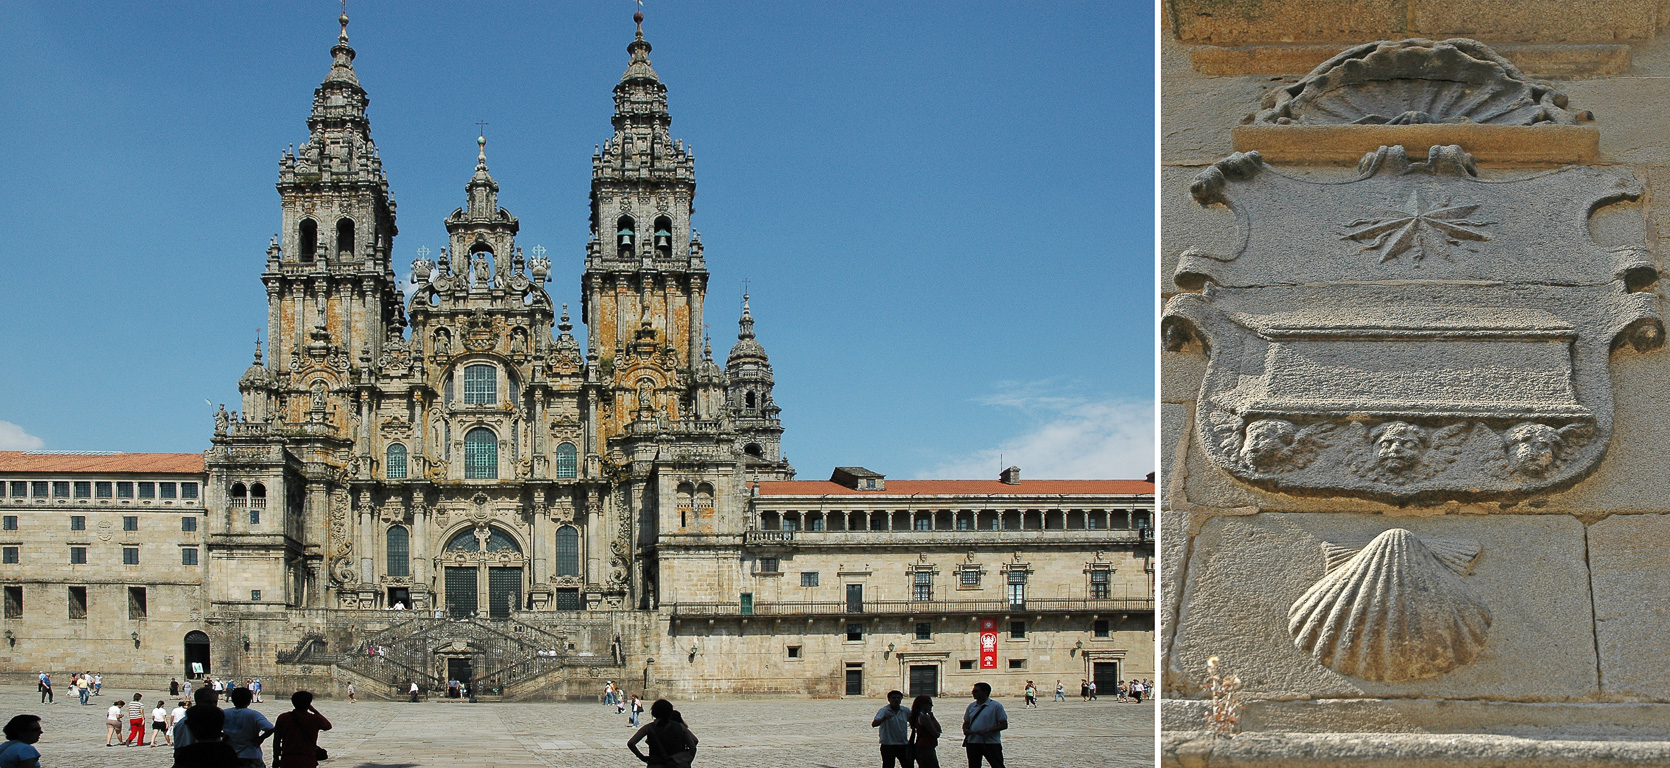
(165, 463)
(960, 488)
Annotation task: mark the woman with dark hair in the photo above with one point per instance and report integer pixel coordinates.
(671, 744)
(924, 732)
(19, 750)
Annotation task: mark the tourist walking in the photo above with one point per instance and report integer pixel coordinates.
(924, 733)
(609, 694)
(296, 735)
(98, 684)
(414, 693)
(173, 687)
(1060, 691)
(894, 722)
(159, 723)
(45, 686)
(1084, 689)
(1137, 690)
(245, 729)
(1092, 690)
(636, 709)
(351, 699)
(983, 725)
(1031, 694)
(206, 747)
(185, 689)
(19, 750)
(83, 688)
(671, 744)
(113, 723)
(255, 688)
(175, 718)
(135, 711)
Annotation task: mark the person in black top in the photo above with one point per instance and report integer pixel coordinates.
(208, 748)
(671, 744)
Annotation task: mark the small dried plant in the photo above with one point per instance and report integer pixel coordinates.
(1224, 717)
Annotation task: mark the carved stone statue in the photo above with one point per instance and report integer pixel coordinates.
(483, 273)
(1398, 445)
(221, 420)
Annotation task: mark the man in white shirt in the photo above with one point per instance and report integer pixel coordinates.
(176, 721)
(983, 724)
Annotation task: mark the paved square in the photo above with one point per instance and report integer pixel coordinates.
(768, 733)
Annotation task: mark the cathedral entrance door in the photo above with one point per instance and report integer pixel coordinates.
(460, 592)
(504, 591)
(458, 668)
(197, 655)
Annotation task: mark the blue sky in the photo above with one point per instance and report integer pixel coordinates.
(944, 209)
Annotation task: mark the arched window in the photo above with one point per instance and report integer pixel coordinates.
(400, 552)
(754, 449)
(344, 238)
(625, 235)
(748, 400)
(258, 495)
(481, 385)
(307, 245)
(663, 236)
(395, 467)
(568, 461)
(481, 454)
(463, 541)
(568, 551)
(239, 491)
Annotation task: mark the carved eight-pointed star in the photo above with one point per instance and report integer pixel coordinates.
(1426, 231)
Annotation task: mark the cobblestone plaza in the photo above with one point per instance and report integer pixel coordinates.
(733, 732)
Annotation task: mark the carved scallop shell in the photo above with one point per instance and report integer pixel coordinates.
(1417, 81)
(1397, 609)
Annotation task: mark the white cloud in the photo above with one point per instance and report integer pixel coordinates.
(13, 438)
(1069, 438)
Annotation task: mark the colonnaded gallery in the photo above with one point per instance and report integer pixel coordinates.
(451, 485)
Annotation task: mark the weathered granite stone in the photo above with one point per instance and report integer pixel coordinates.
(1628, 558)
(1198, 749)
(1246, 573)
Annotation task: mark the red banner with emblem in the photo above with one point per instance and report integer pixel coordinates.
(988, 643)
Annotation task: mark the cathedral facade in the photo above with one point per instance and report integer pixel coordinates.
(447, 482)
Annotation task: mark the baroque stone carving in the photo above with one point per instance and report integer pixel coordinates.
(1394, 610)
(1413, 334)
(1417, 81)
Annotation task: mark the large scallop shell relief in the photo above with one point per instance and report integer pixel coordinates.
(1396, 609)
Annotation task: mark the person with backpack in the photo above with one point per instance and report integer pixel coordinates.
(671, 744)
(19, 750)
(924, 733)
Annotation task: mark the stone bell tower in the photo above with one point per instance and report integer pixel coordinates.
(331, 289)
(645, 277)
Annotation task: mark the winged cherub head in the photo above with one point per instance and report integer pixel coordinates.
(1267, 443)
(1398, 445)
(1532, 447)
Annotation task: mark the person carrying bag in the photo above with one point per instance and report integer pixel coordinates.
(671, 744)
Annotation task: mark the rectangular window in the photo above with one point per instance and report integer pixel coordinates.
(746, 604)
(924, 524)
(78, 602)
(481, 385)
(924, 630)
(103, 489)
(60, 489)
(136, 603)
(130, 522)
(1017, 588)
(965, 664)
(165, 490)
(188, 490)
(768, 565)
(20, 488)
(37, 488)
(124, 489)
(78, 522)
(791, 524)
(78, 555)
(815, 525)
(14, 602)
(84, 489)
(1100, 628)
(188, 523)
(255, 595)
(8, 555)
(970, 577)
(254, 516)
(963, 524)
(8, 523)
(922, 586)
(855, 632)
(130, 555)
(568, 599)
(808, 578)
(147, 490)
(1017, 630)
(1099, 585)
(188, 555)
(1017, 663)
(794, 651)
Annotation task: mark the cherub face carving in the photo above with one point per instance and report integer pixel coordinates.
(1267, 443)
(1531, 448)
(1398, 445)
